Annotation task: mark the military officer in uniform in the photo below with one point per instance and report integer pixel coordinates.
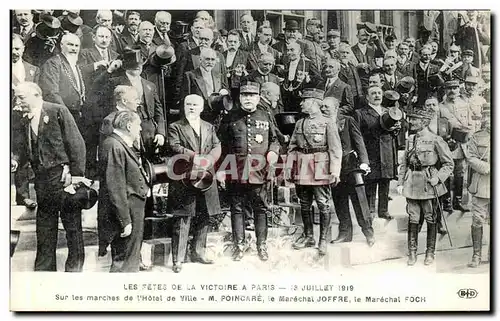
(248, 140)
(354, 156)
(427, 163)
(316, 152)
(479, 160)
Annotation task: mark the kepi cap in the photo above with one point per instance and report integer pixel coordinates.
(452, 83)
(313, 93)
(422, 112)
(333, 33)
(468, 52)
(472, 79)
(250, 88)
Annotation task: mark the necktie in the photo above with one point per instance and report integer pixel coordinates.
(23, 32)
(248, 39)
(391, 81)
(104, 54)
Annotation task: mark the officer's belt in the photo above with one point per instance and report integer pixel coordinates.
(418, 168)
(312, 150)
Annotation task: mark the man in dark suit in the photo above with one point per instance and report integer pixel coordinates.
(130, 34)
(380, 145)
(122, 193)
(205, 81)
(163, 20)
(262, 45)
(21, 72)
(45, 43)
(236, 62)
(61, 79)
(105, 18)
(292, 31)
(421, 73)
(354, 156)
(49, 139)
(364, 53)
(334, 87)
(391, 75)
(150, 109)
(195, 139)
(298, 74)
(405, 63)
(25, 26)
(349, 74)
(245, 33)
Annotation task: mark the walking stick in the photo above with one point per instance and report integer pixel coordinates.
(442, 216)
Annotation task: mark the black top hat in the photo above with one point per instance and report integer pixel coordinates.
(200, 180)
(132, 58)
(48, 27)
(291, 25)
(71, 23)
(406, 85)
(84, 198)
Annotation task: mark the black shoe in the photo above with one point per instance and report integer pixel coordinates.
(342, 238)
(263, 255)
(144, 267)
(412, 258)
(457, 205)
(385, 216)
(238, 253)
(304, 241)
(177, 267)
(370, 240)
(195, 258)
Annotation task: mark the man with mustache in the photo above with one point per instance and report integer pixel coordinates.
(312, 48)
(405, 64)
(316, 151)
(262, 45)
(236, 63)
(380, 145)
(421, 73)
(349, 74)
(163, 20)
(205, 81)
(145, 43)
(93, 61)
(105, 18)
(427, 163)
(334, 87)
(291, 36)
(248, 137)
(197, 140)
(25, 25)
(245, 33)
(391, 75)
(50, 141)
(62, 81)
(130, 34)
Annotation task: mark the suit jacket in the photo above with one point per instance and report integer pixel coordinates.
(115, 45)
(368, 58)
(314, 52)
(59, 141)
(126, 38)
(241, 58)
(29, 34)
(423, 87)
(194, 83)
(244, 44)
(254, 53)
(386, 85)
(281, 46)
(32, 74)
(123, 189)
(59, 84)
(352, 141)
(86, 61)
(349, 75)
(380, 144)
(342, 92)
(406, 69)
(183, 140)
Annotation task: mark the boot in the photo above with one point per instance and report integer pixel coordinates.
(457, 195)
(262, 252)
(477, 240)
(325, 220)
(446, 202)
(238, 251)
(431, 243)
(412, 243)
(440, 229)
(306, 239)
(343, 237)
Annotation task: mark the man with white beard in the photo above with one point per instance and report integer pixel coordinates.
(61, 79)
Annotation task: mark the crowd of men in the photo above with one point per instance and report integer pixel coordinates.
(98, 103)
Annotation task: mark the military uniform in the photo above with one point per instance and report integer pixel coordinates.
(479, 160)
(316, 153)
(426, 156)
(248, 137)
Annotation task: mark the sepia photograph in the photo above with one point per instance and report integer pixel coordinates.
(250, 160)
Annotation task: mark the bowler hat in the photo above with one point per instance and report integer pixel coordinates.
(71, 23)
(199, 179)
(313, 93)
(250, 88)
(406, 84)
(132, 58)
(48, 27)
(221, 102)
(291, 25)
(468, 52)
(84, 198)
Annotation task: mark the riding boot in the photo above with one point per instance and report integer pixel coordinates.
(458, 185)
(477, 240)
(431, 243)
(307, 238)
(412, 243)
(325, 220)
(446, 198)
(440, 229)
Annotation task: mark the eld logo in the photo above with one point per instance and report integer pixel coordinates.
(467, 293)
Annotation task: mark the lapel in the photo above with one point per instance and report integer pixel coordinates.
(201, 84)
(188, 133)
(216, 79)
(131, 153)
(332, 88)
(371, 112)
(204, 132)
(70, 73)
(146, 90)
(95, 54)
(41, 123)
(357, 52)
(29, 71)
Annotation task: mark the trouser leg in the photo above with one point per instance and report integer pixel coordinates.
(305, 194)
(364, 223)
(72, 222)
(340, 196)
(180, 237)
(323, 197)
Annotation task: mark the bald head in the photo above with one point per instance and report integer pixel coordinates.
(104, 18)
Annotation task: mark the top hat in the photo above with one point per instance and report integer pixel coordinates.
(468, 52)
(84, 198)
(71, 23)
(406, 84)
(391, 95)
(437, 80)
(49, 27)
(221, 102)
(333, 33)
(291, 25)
(164, 55)
(200, 180)
(314, 22)
(250, 88)
(313, 93)
(391, 117)
(132, 58)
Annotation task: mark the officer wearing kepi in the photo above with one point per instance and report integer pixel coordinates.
(427, 163)
(480, 162)
(316, 151)
(248, 139)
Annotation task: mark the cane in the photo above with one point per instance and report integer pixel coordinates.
(442, 216)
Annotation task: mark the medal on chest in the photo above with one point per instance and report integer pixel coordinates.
(317, 138)
(259, 138)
